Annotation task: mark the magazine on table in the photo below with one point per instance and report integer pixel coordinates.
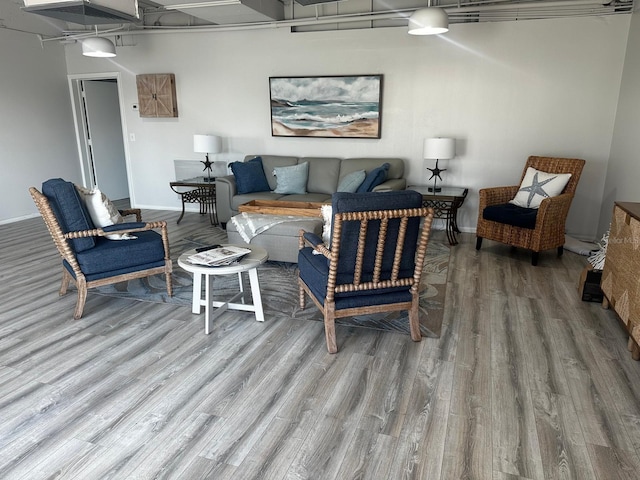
(220, 256)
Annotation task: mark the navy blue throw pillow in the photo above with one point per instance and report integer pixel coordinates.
(374, 178)
(250, 176)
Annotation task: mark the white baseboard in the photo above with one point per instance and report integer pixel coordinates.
(17, 219)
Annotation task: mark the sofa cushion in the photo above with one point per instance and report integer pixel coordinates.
(292, 179)
(324, 173)
(250, 176)
(374, 178)
(307, 197)
(70, 211)
(109, 256)
(352, 181)
(511, 215)
(238, 200)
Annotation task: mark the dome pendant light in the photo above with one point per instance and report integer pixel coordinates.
(98, 47)
(429, 21)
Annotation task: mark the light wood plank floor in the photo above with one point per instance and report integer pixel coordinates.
(526, 382)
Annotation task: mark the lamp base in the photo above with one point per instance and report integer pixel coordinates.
(434, 189)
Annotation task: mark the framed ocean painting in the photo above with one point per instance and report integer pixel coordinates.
(325, 106)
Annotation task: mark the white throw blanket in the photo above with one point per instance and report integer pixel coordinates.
(249, 225)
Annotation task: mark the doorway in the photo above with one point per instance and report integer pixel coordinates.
(100, 130)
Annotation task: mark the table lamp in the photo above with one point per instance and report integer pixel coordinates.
(207, 144)
(440, 149)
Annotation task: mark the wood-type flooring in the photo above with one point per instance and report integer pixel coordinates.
(526, 382)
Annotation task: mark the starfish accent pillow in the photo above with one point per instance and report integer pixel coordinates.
(537, 185)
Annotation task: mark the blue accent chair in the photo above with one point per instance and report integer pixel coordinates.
(88, 257)
(374, 261)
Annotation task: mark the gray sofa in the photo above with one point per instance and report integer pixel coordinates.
(325, 174)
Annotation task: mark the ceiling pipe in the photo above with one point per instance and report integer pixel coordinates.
(354, 17)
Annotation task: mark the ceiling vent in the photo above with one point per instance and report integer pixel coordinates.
(95, 12)
(224, 12)
(306, 3)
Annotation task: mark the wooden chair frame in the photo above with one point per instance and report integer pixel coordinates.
(552, 213)
(329, 309)
(61, 241)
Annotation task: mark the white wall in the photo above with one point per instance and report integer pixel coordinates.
(37, 141)
(623, 173)
(505, 90)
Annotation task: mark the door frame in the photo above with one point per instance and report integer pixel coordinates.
(78, 121)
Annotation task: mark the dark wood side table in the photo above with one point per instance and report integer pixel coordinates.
(198, 190)
(445, 203)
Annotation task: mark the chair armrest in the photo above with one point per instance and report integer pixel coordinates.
(313, 240)
(496, 195)
(554, 210)
(132, 211)
(119, 228)
(229, 180)
(225, 191)
(128, 228)
(391, 184)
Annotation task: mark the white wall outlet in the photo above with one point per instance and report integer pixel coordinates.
(132, 137)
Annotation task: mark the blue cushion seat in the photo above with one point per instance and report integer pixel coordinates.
(112, 257)
(70, 211)
(511, 214)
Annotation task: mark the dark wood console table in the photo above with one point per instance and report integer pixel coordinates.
(445, 203)
(198, 190)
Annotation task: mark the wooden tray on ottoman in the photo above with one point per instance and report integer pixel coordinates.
(277, 207)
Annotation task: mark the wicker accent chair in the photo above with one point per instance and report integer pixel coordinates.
(90, 259)
(374, 261)
(546, 225)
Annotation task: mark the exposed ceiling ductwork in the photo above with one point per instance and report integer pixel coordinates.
(306, 3)
(94, 12)
(170, 16)
(225, 12)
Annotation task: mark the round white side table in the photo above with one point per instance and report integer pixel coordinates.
(248, 264)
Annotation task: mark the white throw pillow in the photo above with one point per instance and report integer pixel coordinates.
(537, 185)
(326, 228)
(103, 212)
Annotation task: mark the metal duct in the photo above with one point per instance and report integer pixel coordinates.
(95, 12)
(306, 3)
(225, 12)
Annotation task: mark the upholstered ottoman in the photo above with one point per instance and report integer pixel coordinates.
(281, 239)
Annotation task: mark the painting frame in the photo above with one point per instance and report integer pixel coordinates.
(326, 106)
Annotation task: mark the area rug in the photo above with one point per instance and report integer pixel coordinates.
(278, 283)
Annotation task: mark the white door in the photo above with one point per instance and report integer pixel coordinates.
(105, 142)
